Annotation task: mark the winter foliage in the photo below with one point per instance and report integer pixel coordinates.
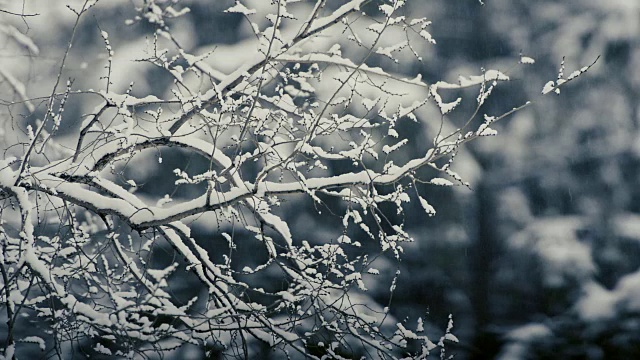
(308, 110)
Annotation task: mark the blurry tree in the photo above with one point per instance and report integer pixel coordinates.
(564, 228)
(111, 164)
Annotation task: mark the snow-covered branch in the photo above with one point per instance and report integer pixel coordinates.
(115, 198)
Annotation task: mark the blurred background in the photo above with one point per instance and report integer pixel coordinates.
(540, 258)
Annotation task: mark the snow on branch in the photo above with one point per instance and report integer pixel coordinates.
(151, 214)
